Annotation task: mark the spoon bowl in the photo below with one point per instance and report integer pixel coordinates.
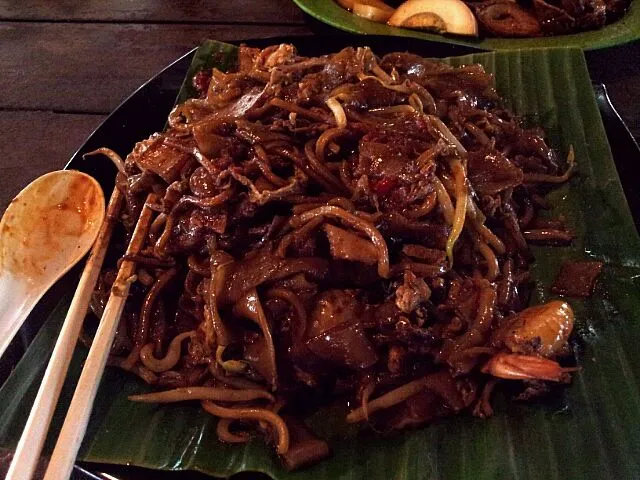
(47, 228)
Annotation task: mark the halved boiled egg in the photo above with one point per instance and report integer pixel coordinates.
(443, 16)
(346, 4)
(375, 10)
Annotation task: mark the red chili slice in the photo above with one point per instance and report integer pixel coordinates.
(201, 82)
(385, 185)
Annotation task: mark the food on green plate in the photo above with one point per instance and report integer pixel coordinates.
(375, 10)
(498, 18)
(444, 16)
(344, 228)
(348, 4)
(507, 19)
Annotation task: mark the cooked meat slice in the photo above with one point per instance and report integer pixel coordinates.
(577, 279)
(346, 245)
(305, 448)
(492, 172)
(264, 266)
(554, 20)
(344, 345)
(505, 18)
(333, 307)
(155, 156)
(411, 293)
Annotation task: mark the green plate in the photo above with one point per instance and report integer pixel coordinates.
(624, 30)
(591, 429)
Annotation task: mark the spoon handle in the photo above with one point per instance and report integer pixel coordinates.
(75, 423)
(15, 304)
(35, 432)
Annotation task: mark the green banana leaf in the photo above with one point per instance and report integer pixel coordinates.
(590, 429)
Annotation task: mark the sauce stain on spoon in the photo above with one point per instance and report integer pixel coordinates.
(67, 210)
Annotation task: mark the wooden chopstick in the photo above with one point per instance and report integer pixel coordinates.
(30, 445)
(75, 423)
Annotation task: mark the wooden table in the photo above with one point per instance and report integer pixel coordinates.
(65, 64)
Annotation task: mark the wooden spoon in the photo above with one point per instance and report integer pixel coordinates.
(44, 232)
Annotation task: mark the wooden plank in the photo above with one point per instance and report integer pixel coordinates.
(93, 67)
(212, 11)
(32, 143)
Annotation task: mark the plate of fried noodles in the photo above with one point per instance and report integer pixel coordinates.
(368, 263)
